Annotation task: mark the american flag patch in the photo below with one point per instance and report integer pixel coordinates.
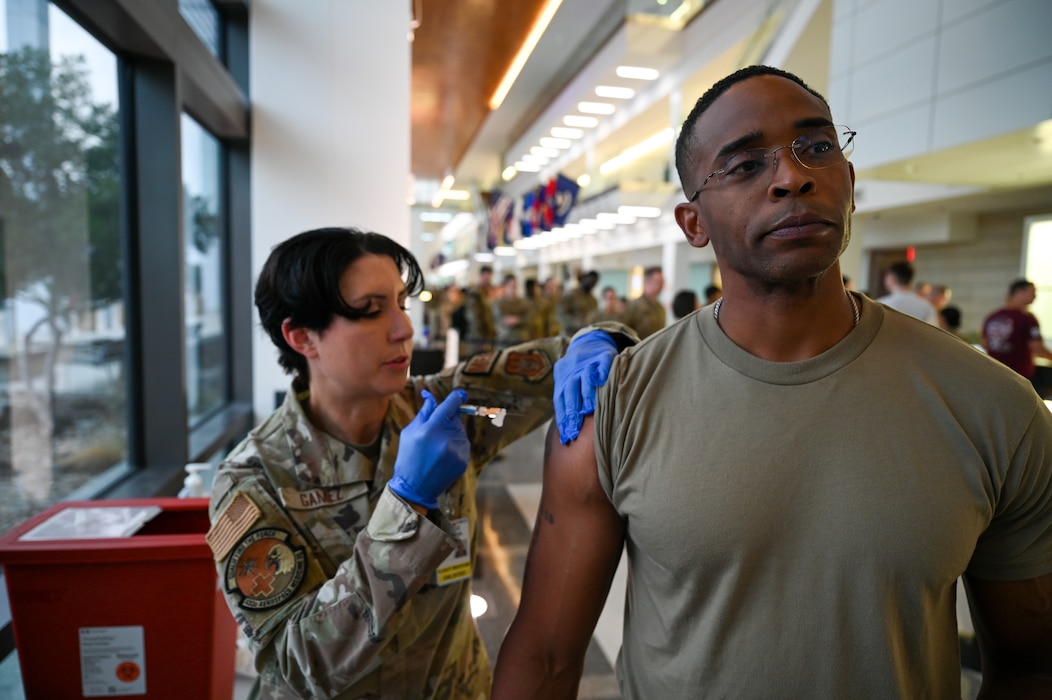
(232, 524)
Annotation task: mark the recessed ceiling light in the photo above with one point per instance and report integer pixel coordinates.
(563, 132)
(637, 73)
(595, 108)
(584, 122)
(641, 212)
(524, 167)
(544, 152)
(550, 142)
(616, 93)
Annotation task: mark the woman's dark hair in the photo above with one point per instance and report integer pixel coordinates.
(300, 281)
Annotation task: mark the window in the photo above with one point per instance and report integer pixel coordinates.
(1037, 251)
(63, 394)
(206, 365)
(202, 17)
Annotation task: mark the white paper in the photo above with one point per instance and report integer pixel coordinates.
(112, 661)
(92, 522)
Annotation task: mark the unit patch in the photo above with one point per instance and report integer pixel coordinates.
(481, 364)
(531, 366)
(265, 569)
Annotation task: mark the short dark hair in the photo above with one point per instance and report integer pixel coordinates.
(651, 271)
(902, 271)
(300, 281)
(1018, 286)
(687, 143)
(684, 303)
(952, 316)
(588, 280)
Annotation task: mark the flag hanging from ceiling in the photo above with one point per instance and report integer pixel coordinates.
(563, 197)
(501, 207)
(528, 219)
(555, 200)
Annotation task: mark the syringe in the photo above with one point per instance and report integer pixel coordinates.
(492, 412)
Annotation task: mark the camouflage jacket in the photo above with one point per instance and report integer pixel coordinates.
(331, 576)
(576, 310)
(644, 315)
(479, 312)
(507, 309)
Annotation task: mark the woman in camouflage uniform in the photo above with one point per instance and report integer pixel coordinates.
(343, 526)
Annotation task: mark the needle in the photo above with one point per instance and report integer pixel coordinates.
(492, 412)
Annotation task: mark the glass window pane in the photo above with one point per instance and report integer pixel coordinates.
(63, 402)
(206, 357)
(203, 18)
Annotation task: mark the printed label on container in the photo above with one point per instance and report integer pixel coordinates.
(112, 661)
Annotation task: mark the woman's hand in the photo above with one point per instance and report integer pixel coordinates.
(433, 451)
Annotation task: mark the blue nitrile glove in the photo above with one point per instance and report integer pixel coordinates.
(578, 374)
(433, 451)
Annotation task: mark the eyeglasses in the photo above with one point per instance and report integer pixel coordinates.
(818, 149)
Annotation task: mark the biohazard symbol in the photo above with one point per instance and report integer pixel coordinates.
(128, 672)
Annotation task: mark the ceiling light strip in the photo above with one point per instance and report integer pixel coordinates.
(524, 53)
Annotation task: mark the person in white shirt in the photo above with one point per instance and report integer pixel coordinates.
(897, 279)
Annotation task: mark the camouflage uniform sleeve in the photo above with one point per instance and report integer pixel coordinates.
(518, 378)
(314, 633)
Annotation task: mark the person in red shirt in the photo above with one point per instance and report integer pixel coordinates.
(1012, 335)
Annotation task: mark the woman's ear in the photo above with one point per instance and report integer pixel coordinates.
(689, 220)
(299, 339)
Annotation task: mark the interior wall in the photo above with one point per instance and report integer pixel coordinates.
(330, 85)
(905, 71)
(978, 271)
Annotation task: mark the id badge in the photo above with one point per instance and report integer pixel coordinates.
(457, 565)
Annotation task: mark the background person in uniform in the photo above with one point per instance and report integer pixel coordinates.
(645, 314)
(478, 308)
(336, 522)
(551, 293)
(1012, 335)
(511, 314)
(578, 306)
(900, 297)
(612, 307)
(685, 302)
(783, 546)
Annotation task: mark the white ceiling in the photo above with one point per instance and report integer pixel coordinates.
(726, 35)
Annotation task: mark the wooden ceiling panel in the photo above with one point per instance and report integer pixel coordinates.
(460, 52)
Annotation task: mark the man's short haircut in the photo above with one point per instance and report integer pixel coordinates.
(688, 142)
(300, 281)
(684, 303)
(902, 271)
(509, 276)
(485, 269)
(1020, 285)
(651, 271)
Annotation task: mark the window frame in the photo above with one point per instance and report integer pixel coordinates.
(165, 70)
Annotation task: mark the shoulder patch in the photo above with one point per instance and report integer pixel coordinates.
(532, 366)
(235, 520)
(265, 569)
(481, 364)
